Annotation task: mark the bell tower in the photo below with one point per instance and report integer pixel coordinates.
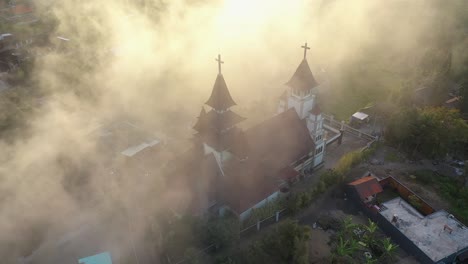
(216, 129)
(300, 95)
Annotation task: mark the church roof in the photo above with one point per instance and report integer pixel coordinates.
(280, 140)
(240, 146)
(246, 184)
(198, 126)
(302, 79)
(217, 121)
(220, 98)
(273, 146)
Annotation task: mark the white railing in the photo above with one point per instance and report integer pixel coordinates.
(342, 126)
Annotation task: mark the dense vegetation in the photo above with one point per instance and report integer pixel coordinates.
(449, 189)
(286, 242)
(433, 132)
(352, 241)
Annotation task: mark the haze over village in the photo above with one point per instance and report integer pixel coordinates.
(233, 132)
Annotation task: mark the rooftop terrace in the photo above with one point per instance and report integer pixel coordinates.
(438, 235)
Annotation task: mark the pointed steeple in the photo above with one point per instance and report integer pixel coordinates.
(217, 127)
(220, 98)
(302, 80)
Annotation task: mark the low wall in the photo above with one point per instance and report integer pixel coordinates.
(405, 192)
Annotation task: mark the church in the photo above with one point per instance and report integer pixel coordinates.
(236, 169)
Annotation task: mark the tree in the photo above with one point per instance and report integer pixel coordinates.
(432, 132)
(347, 227)
(286, 243)
(223, 231)
(371, 228)
(389, 251)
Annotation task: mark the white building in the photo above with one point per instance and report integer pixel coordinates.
(300, 94)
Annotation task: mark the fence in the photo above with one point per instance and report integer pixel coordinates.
(263, 223)
(329, 120)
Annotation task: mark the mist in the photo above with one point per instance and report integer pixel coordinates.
(153, 62)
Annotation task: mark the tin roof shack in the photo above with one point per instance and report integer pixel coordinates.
(439, 236)
(359, 118)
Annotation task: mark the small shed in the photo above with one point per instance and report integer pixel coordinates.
(366, 188)
(359, 118)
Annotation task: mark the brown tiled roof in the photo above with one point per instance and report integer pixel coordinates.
(247, 183)
(197, 175)
(367, 186)
(302, 79)
(240, 147)
(288, 173)
(280, 140)
(220, 98)
(272, 147)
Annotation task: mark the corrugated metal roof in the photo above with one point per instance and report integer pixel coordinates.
(102, 258)
(360, 115)
(367, 186)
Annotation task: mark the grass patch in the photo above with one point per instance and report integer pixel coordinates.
(449, 189)
(393, 157)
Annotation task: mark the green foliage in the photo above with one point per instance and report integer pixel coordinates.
(222, 231)
(265, 211)
(431, 131)
(388, 251)
(449, 189)
(369, 236)
(286, 243)
(180, 234)
(393, 157)
(192, 256)
(415, 201)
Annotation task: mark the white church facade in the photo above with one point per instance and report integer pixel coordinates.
(301, 95)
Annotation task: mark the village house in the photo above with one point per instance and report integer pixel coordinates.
(239, 170)
(431, 236)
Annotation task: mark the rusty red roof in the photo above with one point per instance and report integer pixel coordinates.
(21, 9)
(367, 186)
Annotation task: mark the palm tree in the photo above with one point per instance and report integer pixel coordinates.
(370, 232)
(347, 226)
(347, 247)
(389, 251)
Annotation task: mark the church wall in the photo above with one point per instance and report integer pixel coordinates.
(281, 106)
(244, 215)
(319, 157)
(308, 105)
(296, 103)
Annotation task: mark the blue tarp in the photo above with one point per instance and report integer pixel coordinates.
(102, 258)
